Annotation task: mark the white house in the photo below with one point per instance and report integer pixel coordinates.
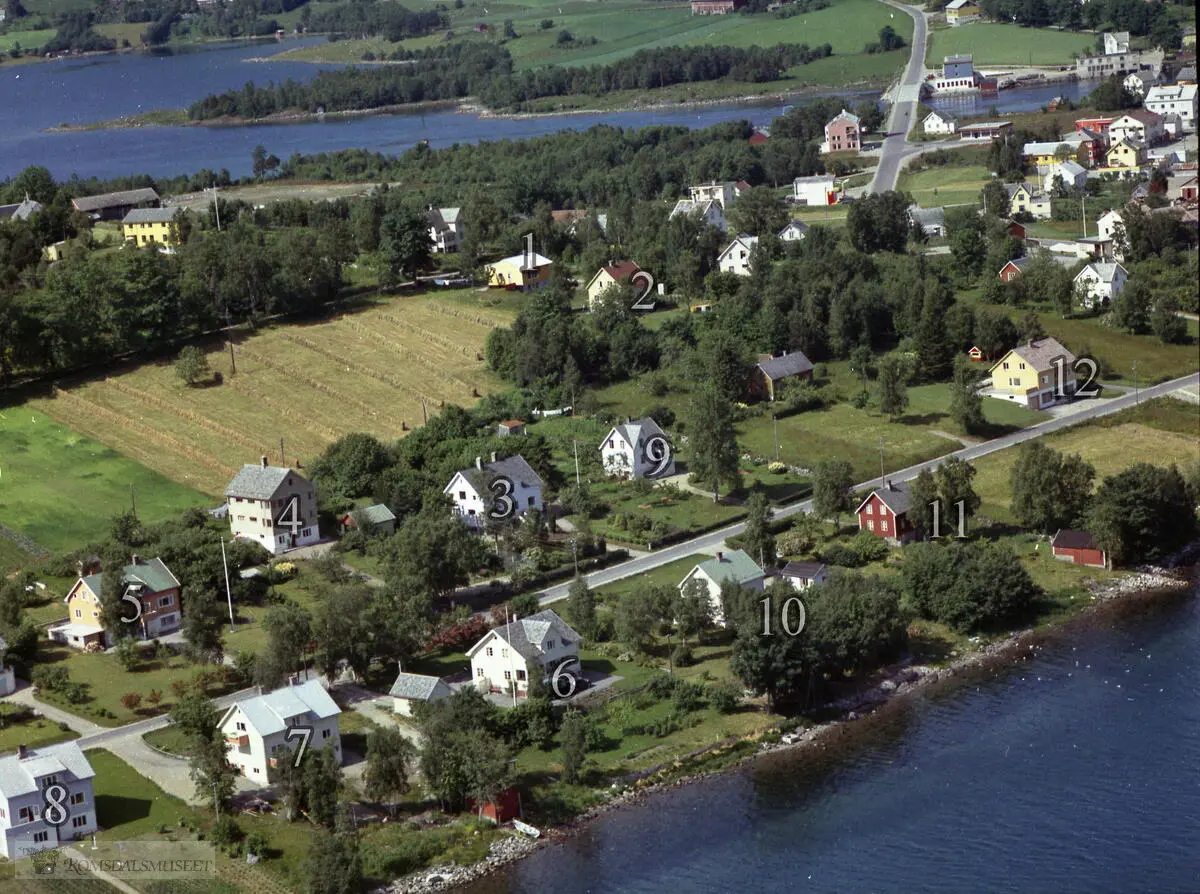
(445, 228)
(939, 123)
(1139, 124)
(1110, 225)
(257, 730)
(1072, 173)
(736, 566)
(498, 490)
(802, 575)
(1116, 42)
(794, 231)
(724, 193)
(1139, 82)
(26, 797)
(509, 656)
(275, 505)
(932, 221)
(638, 449)
(708, 212)
(736, 256)
(1177, 98)
(819, 189)
(412, 688)
(1100, 282)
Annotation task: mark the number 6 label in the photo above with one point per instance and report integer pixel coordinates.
(1088, 389)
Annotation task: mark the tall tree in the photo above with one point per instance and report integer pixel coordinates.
(758, 211)
(954, 477)
(712, 441)
(693, 609)
(1143, 513)
(334, 864)
(832, 481)
(923, 493)
(1131, 308)
(204, 624)
(581, 607)
(893, 394)
(574, 736)
(966, 403)
(1049, 490)
(289, 635)
(404, 244)
(758, 539)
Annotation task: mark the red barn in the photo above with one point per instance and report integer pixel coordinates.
(885, 513)
(1079, 547)
(1016, 230)
(1012, 270)
(504, 808)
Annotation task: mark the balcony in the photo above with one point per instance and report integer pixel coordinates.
(241, 740)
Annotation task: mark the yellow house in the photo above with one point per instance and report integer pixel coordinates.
(151, 605)
(151, 226)
(55, 251)
(609, 276)
(527, 270)
(1036, 374)
(960, 12)
(1125, 153)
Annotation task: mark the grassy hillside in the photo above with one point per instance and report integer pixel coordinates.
(307, 384)
(996, 44)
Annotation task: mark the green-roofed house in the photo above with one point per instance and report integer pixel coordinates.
(377, 519)
(151, 603)
(736, 566)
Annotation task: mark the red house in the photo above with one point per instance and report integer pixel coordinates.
(504, 808)
(976, 354)
(758, 138)
(1078, 547)
(1016, 230)
(885, 513)
(1096, 125)
(1012, 270)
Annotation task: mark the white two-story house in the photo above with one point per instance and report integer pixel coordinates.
(736, 566)
(638, 449)
(275, 505)
(498, 491)
(267, 729)
(1100, 283)
(737, 255)
(32, 782)
(509, 656)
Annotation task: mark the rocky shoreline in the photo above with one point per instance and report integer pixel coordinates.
(890, 687)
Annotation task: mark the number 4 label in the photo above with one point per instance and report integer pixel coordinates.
(1064, 387)
(290, 517)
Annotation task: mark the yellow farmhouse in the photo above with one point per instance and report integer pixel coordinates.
(1030, 373)
(151, 226)
(527, 270)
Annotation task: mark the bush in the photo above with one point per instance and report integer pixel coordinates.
(50, 677)
(681, 656)
(76, 694)
(841, 554)
(225, 832)
(726, 696)
(869, 547)
(688, 696)
(256, 844)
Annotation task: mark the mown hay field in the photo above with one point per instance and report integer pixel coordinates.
(307, 384)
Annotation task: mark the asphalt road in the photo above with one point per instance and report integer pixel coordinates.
(907, 96)
(713, 539)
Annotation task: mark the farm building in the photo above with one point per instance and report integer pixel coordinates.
(115, 205)
(378, 519)
(510, 427)
(769, 372)
(528, 270)
(962, 12)
(1079, 547)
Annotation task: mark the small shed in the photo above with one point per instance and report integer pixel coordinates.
(770, 371)
(510, 427)
(410, 688)
(976, 354)
(506, 807)
(802, 575)
(1079, 547)
(379, 519)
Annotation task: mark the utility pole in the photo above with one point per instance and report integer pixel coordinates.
(424, 411)
(882, 479)
(1083, 210)
(132, 499)
(576, 443)
(228, 592)
(217, 207)
(775, 419)
(229, 340)
(1135, 384)
(282, 458)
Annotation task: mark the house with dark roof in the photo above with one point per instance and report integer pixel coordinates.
(496, 491)
(1012, 269)
(802, 575)
(608, 276)
(726, 567)
(793, 231)
(151, 606)
(409, 689)
(1079, 547)
(115, 205)
(932, 221)
(274, 505)
(1037, 374)
(377, 519)
(507, 657)
(21, 210)
(769, 372)
(885, 513)
(25, 777)
(445, 228)
(637, 448)
(263, 732)
(151, 226)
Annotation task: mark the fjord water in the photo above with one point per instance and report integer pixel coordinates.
(1077, 770)
(85, 90)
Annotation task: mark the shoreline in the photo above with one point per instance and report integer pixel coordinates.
(888, 689)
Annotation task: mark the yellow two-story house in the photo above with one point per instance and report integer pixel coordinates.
(151, 226)
(1036, 374)
(1126, 154)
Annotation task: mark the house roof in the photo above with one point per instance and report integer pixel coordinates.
(1046, 148)
(257, 482)
(1144, 116)
(736, 566)
(1069, 167)
(747, 242)
(986, 125)
(270, 712)
(1013, 188)
(959, 4)
(1127, 141)
(944, 116)
(153, 575)
(149, 215)
(896, 496)
(21, 210)
(115, 199)
(1187, 73)
(814, 179)
(1065, 538)
(526, 635)
(1105, 271)
(1170, 93)
(927, 217)
(849, 116)
(802, 570)
(1041, 354)
(638, 428)
(521, 259)
(377, 514)
(619, 272)
(19, 775)
(689, 206)
(512, 467)
(948, 60)
(794, 224)
(792, 363)
(511, 423)
(1019, 263)
(417, 686)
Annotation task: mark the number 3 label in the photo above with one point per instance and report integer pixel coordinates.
(503, 504)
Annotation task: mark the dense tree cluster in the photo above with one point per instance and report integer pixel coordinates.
(1135, 16)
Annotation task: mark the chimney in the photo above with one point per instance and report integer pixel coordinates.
(479, 462)
(493, 456)
(79, 567)
(21, 752)
(720, 556)
(265, 462)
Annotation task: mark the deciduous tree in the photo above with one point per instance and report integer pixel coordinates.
(1142, 514)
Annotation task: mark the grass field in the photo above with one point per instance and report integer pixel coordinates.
(61, 488)
(29, 40)
(365, 370)
(32, 733)
(997, 44)
(944, 186)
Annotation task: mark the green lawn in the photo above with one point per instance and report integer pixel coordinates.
(35, 732)
(1006, 44)
(29, 40)
(128, 805)
(250, 635)
(944, 185)
(61, 488)
(668, 575)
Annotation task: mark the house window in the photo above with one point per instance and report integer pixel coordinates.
(26, 813)
(479, 671)
(241, 726)
(520, 675)
(325, 734)
(870, 509)
(883, 525)
(77, 798)
(504, 653)
(253, 519)
(508, 675)
(531, 502)
(1006, 366)
(39, 837)
(489, 651)
(78, 613)
(79, 821)
(871, 524)
(462, 494)
(164, 601)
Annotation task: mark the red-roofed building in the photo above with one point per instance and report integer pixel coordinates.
(758, 138)
(1097, 125)
(608, 276)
